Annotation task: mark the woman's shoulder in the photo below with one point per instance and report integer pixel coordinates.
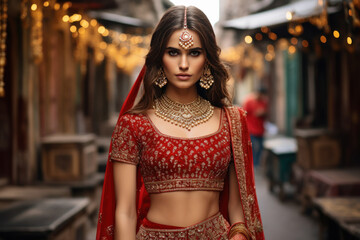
(130, 118)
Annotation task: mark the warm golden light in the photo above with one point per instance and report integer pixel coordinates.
(349, 40)
(305, 43)
(33, 7)
(289, 15)
(294, 41)
(350, 12)
(265, 29)
(66, 5)
(81, 30)
(65, 18)
(268, 57)
(103, 45)
(336, 34)
(258, 36)
(323, 39)
(299, 29)
(57, 6)
(292, 49)
(248, 39)
(270, 47)
(105, 33)
(46, 4)
(75, 17)
(272, 36)
(101, 29)
(84, 23)
(93, 22)
(122, 37)
(73, 29)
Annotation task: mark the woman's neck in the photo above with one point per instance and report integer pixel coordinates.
(182, 95)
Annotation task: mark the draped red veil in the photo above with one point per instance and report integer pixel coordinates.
(242, 155)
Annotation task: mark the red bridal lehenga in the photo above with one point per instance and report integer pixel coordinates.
(167, 164)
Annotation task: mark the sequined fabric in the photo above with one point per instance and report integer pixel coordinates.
(169, 163)
(214, 228)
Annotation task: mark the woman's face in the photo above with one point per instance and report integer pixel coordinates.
(183, 67)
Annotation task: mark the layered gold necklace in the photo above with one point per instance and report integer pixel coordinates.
(185, 115)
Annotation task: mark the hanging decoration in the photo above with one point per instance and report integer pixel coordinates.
(3, 22)
(246, 55)
(36, 33)
(32, 17)
(321, 21)
(127, 50)
(354, 12)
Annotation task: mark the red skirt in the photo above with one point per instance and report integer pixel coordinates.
(214, 228)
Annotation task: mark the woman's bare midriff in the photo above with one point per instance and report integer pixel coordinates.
(183, 208)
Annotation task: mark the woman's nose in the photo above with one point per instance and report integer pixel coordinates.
(184, 64)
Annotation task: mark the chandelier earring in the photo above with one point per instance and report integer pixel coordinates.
(161, 79)
(207, 79)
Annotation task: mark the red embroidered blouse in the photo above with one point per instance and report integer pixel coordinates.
(170, 163)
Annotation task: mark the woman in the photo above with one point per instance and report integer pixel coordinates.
(182, 147)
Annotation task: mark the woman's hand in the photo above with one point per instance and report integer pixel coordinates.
(239, 236)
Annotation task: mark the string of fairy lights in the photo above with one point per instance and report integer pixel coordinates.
(244, 53)
(126, 50)
(3, 22)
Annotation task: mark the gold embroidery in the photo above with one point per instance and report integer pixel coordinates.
(184, 184)
(247, 199)
(124, 146)
(214, 228)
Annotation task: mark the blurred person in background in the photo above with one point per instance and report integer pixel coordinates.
(256, 107)
(180, 163)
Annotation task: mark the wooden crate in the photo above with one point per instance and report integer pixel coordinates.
(317, 149)
(68, 157)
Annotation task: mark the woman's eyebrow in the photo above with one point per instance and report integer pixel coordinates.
(173, 48)
(196, 49)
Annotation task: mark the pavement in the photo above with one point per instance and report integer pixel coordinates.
(281, 220)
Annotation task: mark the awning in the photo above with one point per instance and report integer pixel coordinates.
(118, 19)
(299, 10)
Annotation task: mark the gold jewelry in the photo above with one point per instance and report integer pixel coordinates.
(185, 115)
(185, 39)
(241, 229)
(207, 79)
(161, 79)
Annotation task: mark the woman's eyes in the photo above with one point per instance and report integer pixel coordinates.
(193, 53)
(173, 52)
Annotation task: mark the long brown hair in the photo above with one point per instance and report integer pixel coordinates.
(197, 21)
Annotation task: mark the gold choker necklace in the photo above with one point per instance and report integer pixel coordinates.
(185, 115)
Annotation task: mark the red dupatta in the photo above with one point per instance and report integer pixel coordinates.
(242, 154)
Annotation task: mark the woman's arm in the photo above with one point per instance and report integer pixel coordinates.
(125, 193)
(235, 209)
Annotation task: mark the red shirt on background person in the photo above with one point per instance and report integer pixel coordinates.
(256, 107)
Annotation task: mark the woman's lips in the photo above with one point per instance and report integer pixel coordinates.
(183, 77)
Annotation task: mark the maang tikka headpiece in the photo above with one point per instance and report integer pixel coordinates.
(185, 39)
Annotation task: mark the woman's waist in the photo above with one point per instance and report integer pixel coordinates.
(183, 208)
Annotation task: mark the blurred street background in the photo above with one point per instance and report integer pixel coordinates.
(66, 68)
